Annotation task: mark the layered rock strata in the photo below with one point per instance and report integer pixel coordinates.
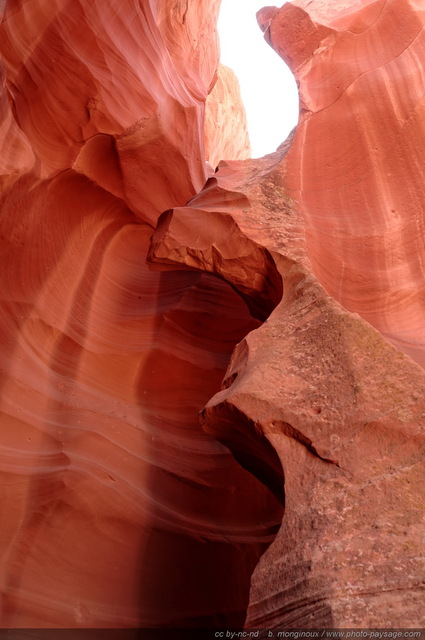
(356, 164)
(199, 427)
(121, 512)
(225, 129)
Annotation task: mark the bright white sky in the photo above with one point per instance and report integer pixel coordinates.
(267, 86)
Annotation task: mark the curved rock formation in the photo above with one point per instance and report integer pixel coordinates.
(356, 164)
(344, 410)
(138, 78)
(112, 490)
(181, 363)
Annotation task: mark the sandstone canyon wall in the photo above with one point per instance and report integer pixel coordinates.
(356, 165)
(203, 422)
(225, 127)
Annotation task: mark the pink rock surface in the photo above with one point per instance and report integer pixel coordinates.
(226, 133)
(121, 511)
(113, 491)
(155, 322)
(345, 411)
(356, 164)
(138, 77)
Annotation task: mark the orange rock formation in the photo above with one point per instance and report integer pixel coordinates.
(225, 128)
(355, 167)
(188, 357)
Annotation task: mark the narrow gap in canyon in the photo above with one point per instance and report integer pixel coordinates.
(145, 409)
(222, 517)
(268, 88)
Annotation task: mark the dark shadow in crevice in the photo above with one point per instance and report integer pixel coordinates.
(248, 444)
(211, 520)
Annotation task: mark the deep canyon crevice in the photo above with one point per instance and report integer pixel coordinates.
(212, 393)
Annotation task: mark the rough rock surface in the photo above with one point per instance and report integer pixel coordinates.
(345, 412)
(156, 315)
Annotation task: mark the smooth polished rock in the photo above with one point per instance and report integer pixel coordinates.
(201, 419)
(356, 167)
(121, 511)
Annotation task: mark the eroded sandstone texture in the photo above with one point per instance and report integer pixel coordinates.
(225, 128)
(157, 315)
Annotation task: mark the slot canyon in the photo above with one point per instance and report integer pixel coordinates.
(212, 366)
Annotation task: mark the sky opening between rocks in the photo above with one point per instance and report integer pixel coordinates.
(268, 88)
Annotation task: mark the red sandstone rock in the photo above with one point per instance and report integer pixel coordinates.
(121, 510)
(356, 164)
(344, 410)
(265, 15)
(139, 77)
(226, 134)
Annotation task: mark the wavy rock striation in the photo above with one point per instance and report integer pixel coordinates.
(188, 357)
(226, 134)
(356, 164)
(120, 510)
